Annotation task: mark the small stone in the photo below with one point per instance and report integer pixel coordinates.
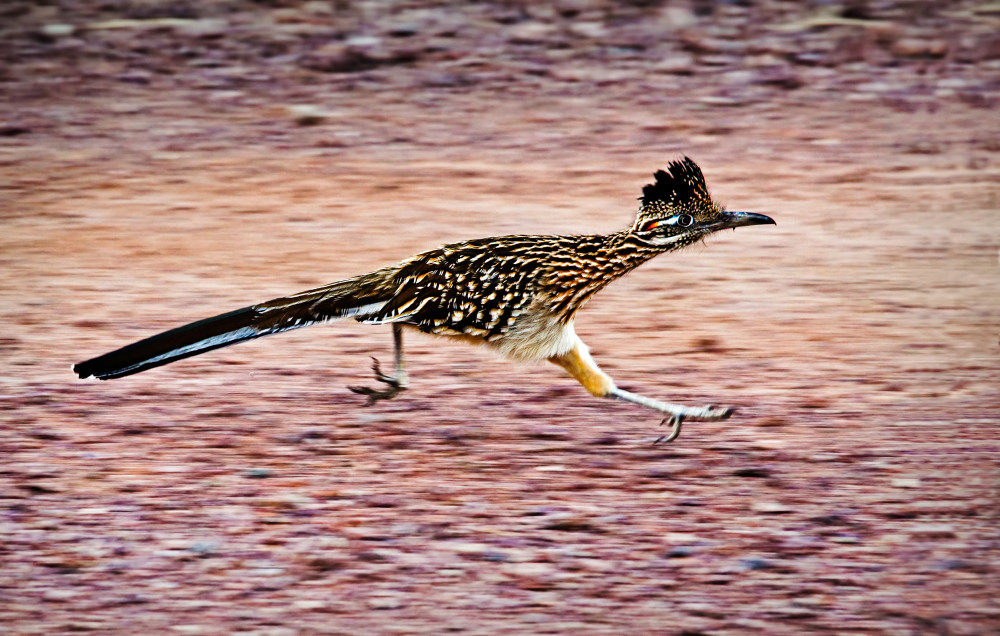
(780, 77)
(676, 64)
(258, 473)
(59, 595)
(569, 522)
(529, 32)
(171, 468)
(58, 30)
(920, 47)
(932, 529)
(752, 471)
(756, 563)
(363, 41)
(764, 443)
(308, 114)
(203, 548)
(956, 564)
(384, 501)
(770, 507)
(450, 572)
(720, 100)
(469, 548)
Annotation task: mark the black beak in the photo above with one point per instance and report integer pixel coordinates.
(739, 219)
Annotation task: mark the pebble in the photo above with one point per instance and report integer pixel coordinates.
(58, 30)
(769, 443)
(308, 114)
(59, 595)
(756, 563)
(530, 32)
(920, 47)
(676, 63)
(769, 507)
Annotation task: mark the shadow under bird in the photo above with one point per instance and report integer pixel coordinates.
(517, 294)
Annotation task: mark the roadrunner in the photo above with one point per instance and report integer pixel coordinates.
(518, 294)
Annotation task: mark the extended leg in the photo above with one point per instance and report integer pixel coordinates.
(582, 367)
(396, 382)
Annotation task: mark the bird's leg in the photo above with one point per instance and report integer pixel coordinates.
(396, 382)
(580, 365)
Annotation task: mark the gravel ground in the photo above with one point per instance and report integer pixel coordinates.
(164, 161)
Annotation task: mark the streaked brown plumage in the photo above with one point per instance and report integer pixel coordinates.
(518, 294)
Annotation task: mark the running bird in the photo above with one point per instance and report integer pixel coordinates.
(518, 294)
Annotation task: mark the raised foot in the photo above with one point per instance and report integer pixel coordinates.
(709, 413)
(374, 395)
(676, 414)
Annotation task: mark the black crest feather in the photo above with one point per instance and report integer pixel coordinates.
(684, 183)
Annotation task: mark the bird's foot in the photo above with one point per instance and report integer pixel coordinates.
(710, 413)
(676, 414)
(395, 386)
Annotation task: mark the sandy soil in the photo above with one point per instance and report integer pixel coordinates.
(162, 162)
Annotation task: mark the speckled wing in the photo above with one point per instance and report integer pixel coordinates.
(475, 288)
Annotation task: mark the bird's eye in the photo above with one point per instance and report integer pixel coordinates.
(682, 220)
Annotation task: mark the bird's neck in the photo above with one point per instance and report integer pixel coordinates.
(597, 260)
(624, 252)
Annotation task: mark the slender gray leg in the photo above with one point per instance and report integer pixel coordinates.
(676, 414)
(396, 382)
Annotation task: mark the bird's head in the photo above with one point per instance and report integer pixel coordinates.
(677, 210)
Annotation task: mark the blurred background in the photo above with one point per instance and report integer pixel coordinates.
(161, 162)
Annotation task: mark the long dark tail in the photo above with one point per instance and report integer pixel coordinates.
(362, 297)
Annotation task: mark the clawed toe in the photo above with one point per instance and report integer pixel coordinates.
(675, 423)
(382, 377)
(374, 395)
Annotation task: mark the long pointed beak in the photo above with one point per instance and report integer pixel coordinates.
(739, 219)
